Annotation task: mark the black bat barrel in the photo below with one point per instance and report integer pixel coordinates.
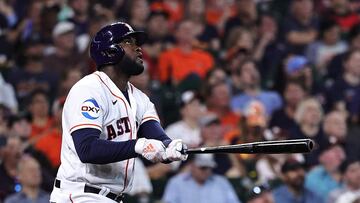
(266, 147)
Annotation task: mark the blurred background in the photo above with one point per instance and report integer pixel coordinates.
(219, 72)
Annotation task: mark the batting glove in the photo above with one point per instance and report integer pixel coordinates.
(150, 149)
(173, 151)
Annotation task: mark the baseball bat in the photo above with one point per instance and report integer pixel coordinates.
(265, 147)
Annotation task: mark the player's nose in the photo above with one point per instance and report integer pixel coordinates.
(138, 49)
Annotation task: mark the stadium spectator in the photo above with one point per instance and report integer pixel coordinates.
(218, 12)
(269, 50)
(354, 108)
(212, 134)
(65, 55)
(308, 117)
(200, 184)
(239, 46)
(42, 124)
(158, 28)
(246, 17)
(8, 18)
(39, 111)
(215, 76)
(11, 155)
(8, 95)
(294, 93)
(250, 80)
(80, 15)
(29, 177)
(29, 26)
(323, 50)
(353, 143)
(335, 67)
(293, 190)
(335, 127)
(340, 11)
(341, 94)
(33, 75)
(297, 67)
(139, 13)
(188, 129)
(175, 9)
(49, 141)
(268, 168)
(206, 34)
(326, 177)
(19, 125)
(300, 27)
(176, 64)
(159, 39)
(350, 189)
(4, 116)
(68, 80)
(217, 99)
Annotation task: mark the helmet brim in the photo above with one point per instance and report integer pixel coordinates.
(140, 37)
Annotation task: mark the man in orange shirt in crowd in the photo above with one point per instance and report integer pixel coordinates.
(178, 63)
(218, 102)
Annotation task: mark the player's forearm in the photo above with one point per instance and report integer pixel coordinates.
(152, 130)
(91, 149)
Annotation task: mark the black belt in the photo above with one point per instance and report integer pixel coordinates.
(91, 189)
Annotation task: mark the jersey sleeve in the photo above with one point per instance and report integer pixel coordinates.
(145, 109)
(84, 108)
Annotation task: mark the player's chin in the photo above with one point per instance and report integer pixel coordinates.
(139, 60)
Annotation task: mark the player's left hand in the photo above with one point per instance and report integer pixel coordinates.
(173, 151)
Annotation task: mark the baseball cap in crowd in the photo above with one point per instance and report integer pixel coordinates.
(208, 120)
(187, 97)
(205, 160)
(291, 164)
(63, 28)
(296, 63)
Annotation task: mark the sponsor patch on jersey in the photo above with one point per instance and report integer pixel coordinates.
(90, 109)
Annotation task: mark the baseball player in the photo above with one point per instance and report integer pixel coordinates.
(107, 122)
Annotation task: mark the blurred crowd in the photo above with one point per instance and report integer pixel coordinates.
(219, 72)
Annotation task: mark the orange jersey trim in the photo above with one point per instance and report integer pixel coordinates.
(147, 117)
(84, 124)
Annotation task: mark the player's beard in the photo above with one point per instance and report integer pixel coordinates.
(130, 67)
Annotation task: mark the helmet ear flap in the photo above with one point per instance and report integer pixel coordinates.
(114, 53)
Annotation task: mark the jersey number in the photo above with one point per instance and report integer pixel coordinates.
(122, 126)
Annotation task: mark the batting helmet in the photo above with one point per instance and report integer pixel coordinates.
(104, 47)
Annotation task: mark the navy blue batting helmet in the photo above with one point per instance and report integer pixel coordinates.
(104, 47)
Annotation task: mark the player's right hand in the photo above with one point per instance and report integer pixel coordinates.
(150, 149)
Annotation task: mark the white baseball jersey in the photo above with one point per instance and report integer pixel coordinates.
(96, 102)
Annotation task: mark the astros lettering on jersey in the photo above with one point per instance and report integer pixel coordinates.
(96, 102)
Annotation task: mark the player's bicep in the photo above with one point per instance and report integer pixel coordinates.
(83, 109)
(146, 111)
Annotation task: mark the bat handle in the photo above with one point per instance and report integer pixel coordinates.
(184, 149)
